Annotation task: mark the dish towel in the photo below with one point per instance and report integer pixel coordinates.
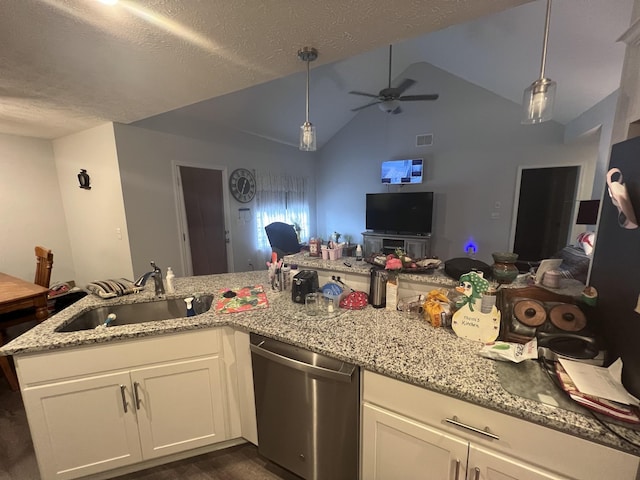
(241, 299)
(112, 288)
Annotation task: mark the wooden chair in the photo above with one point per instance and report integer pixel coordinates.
(44, 263)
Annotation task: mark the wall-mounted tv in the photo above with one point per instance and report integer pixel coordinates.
(409, 212)
(394, 172)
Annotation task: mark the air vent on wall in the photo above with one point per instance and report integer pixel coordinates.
(424, 140)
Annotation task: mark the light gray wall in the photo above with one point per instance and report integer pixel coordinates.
(95, 218)
(146, 159)
(601, 117)
(628, 107)
(479, 145)
(31, 209)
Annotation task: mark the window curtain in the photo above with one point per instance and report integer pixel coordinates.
(280, 198)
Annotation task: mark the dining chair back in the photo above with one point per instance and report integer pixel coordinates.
(44, 263)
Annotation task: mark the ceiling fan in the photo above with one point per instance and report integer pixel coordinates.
(388, 100)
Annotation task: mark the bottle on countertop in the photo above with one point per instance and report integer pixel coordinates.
(189, 304)
(358, 253)
(286, 277)
(170, 276)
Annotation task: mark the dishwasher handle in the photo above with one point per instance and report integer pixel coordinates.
(303, 366)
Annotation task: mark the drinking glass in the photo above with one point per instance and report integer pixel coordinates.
(311, 301)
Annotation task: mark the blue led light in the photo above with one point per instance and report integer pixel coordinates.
(471, 248)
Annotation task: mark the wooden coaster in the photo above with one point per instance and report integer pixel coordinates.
(568, 317)
(530, 313)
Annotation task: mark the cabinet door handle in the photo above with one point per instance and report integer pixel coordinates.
(136, 394)
(457, 469)
(477, 474)
(124, 398)
(486, 431)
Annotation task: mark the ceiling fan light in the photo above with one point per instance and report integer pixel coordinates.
(308, 137)
(538, 101)
(389, 106)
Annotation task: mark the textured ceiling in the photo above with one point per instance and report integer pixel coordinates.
(500, 52)
(67, 65)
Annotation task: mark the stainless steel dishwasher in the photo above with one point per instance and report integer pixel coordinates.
(307, 408)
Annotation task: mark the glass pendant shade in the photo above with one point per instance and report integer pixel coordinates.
(307, 129)
(538, 101)
(307, 137)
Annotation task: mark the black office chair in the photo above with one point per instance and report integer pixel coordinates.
(283, 238)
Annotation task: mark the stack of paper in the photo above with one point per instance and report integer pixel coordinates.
(599, 389)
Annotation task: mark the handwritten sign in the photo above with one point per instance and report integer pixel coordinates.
(475, 325)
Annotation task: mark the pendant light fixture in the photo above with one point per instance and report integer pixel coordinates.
(307, 129)
(538, 99)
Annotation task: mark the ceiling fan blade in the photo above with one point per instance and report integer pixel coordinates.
(365, 106)
(409, 98)
(406, 83)
(364, 94)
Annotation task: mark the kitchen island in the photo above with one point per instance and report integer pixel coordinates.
(388, 343)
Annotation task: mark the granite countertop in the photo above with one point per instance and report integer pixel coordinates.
(390, 343)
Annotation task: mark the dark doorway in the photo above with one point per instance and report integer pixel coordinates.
(204, 208)
(545, 209)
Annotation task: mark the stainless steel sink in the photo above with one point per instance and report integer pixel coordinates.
(136, 313)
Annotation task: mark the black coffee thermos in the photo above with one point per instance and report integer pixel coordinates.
(378, 288)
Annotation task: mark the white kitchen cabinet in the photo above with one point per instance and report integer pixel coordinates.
(79, 427)
(501, 448)
(397, 447)
(106, 406)
(485, 464)
(179, 406)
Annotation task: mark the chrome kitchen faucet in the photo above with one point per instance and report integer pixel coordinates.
(156, 273)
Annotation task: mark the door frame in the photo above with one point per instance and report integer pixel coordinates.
(582, 192)
(181, 213)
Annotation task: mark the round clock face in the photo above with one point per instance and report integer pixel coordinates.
(242, 184)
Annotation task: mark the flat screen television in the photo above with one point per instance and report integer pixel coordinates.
(409, 213)
(394, 172)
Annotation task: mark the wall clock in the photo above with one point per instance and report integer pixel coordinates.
(242, 184)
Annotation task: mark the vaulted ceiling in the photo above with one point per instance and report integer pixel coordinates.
(67, 65)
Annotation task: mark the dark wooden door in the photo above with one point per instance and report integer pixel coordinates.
(545, 208)
(204, 206)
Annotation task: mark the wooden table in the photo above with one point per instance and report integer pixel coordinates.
(18, 294)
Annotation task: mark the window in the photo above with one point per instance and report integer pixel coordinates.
(281, 198)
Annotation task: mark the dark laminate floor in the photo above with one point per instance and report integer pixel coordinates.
(17, 458)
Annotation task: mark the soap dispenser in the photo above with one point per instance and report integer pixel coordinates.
(170, 276)
(190, 310)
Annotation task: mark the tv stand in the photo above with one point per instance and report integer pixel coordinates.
(414, 245)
